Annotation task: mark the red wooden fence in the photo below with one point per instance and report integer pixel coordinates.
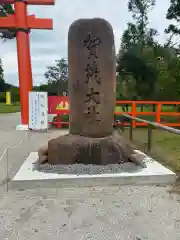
(59, 105)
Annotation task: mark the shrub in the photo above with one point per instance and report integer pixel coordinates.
(2, 97)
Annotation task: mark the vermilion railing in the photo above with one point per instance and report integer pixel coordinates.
(59, 105)
(157, 113)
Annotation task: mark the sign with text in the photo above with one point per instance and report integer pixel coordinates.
(58, 105)
(38, 111)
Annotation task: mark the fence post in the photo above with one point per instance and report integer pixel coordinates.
(131, 130)
(133, 113)
(158, 113)
(58, 120)
(7, 169)
(149, 144)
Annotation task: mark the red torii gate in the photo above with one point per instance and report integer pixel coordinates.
(22, 23)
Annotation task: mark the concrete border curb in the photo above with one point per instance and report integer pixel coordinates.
(154, 173)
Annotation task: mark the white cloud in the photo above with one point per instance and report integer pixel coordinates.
(47, 46)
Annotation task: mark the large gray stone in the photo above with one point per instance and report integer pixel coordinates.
(72, 149)
(92, 77)
(92, 95)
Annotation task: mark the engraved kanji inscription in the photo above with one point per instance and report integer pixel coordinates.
(92, 72)
(91, 43)
(92, 101)
(92, 112)
(92, 96)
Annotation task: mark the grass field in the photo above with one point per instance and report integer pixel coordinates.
(149, 108)
(9, 108)
(165, 146)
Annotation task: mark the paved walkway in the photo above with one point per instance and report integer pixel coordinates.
(137, 213)
(9, 136)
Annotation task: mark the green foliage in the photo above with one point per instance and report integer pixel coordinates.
(136, 61)
(7, 87)
(2, 83)
(57, 77)
(15, 95)
(146, 69)
(139, 69)
(140, 9)
(6, 9)
(168, 76)
(2, 97)
(173, 13)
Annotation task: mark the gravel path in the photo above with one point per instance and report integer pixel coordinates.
(9, 136)
(136, 212)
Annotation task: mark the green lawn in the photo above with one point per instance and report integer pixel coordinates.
(149, 108)
(165, 146)
(9, 108)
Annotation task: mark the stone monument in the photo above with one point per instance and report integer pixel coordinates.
(92, 96)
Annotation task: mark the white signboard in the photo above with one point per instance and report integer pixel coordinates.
(38, 111)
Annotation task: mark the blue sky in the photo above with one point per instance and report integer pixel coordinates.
(47, 46)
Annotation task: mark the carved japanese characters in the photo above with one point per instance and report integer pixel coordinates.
(92, 77)
(92, 93)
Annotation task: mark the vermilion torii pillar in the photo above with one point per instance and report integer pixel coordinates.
(22, 23)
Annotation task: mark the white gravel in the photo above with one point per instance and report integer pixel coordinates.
(108, 213)
(135, 213)
(81, 169)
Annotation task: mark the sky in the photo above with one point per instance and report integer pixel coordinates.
(50, 45)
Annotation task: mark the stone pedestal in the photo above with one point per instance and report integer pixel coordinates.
(92, 97)
(73, 149)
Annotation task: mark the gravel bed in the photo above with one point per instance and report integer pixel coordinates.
(81, 169)
(108, 213)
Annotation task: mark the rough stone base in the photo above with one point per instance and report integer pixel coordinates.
(75, 149)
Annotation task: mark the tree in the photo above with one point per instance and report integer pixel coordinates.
(173, 13)
(168, 83)
(140, 9)
(136, 61)
(6, 9)
(138, 33)
(147, 69)
(57, 77)
(2, 82)
(138, 69)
